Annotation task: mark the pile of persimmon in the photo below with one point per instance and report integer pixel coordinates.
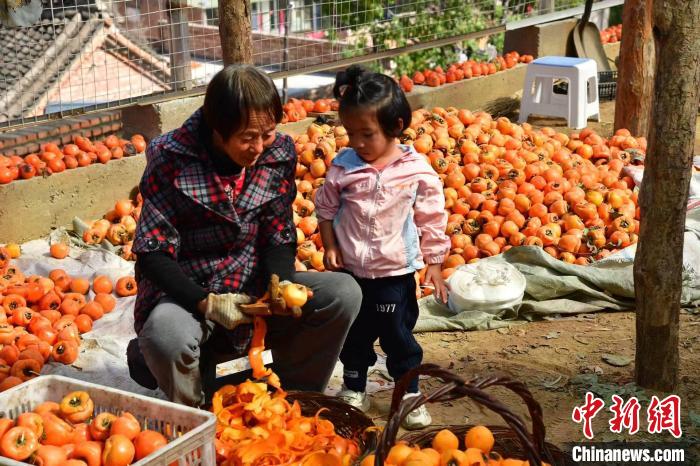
(458, 71)
(70, 433)
(42, 318)
(505, 185)
(257, 428)
(298, 109)
(611, 34)
(117, 226)
(316, 149)
(80, 153)
(445, 450)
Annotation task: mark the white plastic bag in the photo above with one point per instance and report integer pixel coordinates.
(636, 172)
(486, 286)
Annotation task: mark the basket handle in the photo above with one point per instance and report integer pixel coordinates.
(432, 370)
(458, 387)
(533, 407)
(519, 388)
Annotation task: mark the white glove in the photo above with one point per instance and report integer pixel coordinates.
(223, 309)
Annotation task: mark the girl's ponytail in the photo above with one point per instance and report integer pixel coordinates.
(347, 80)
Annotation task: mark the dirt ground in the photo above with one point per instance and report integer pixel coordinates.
(560, 360)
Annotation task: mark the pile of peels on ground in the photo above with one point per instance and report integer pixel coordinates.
(259, 428)
(256, 427)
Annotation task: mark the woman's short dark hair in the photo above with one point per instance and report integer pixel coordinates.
(358, 88)
(233, 93)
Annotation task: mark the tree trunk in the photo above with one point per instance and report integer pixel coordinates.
(664, 195)
(235, 32)
(635, 79)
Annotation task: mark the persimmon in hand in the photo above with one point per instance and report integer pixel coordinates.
(295, 294)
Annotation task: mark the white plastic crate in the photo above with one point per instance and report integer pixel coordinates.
(190, 432)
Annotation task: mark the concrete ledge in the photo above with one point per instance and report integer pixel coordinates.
(297, 127)
(474, 93)
(29, 209)
(155, 119)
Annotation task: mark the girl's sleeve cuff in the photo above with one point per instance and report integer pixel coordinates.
(432, 260)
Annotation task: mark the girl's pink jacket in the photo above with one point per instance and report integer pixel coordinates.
(387, 222)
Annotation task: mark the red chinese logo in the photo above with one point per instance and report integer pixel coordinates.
(665, 415)
(587, 412)
(662, 415)
(625, 415)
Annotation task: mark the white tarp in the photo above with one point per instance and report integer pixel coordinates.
(102, 357)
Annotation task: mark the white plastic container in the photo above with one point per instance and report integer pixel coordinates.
(190, 432)
(486, 286)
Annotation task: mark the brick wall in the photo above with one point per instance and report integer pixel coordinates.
(301, 51)
(204, 41)
(152, 25)
(268, 49)
(28, 140)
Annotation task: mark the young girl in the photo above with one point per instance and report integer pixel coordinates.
(382, 218)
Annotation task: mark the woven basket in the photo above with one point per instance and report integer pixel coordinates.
(349, 422)
(512, 441)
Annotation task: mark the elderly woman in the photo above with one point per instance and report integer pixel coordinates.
(216, 223)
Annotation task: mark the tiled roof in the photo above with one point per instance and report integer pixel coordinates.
(21, 48)
(59, 9)
(36, 59)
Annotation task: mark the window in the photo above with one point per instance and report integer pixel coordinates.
(212, 16)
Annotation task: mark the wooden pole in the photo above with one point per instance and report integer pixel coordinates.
(664, 194)
(635, 79)
(286, 6)
(180, 58)
(546, 6)
(235, 31)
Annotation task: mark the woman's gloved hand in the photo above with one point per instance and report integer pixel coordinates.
(224, 309)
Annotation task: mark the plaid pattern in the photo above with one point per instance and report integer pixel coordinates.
(187, 214)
